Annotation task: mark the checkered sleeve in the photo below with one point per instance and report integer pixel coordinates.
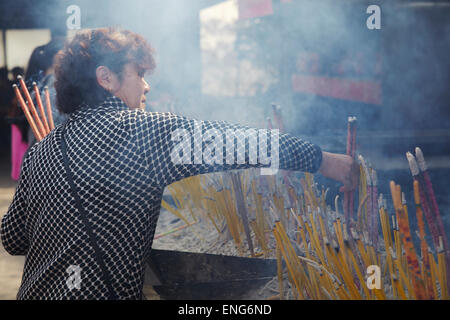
(176, 147)
(13, 227)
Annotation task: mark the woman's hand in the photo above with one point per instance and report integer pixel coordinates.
(342, 168)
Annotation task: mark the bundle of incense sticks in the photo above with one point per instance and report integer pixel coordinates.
(419, 171)
(321, 258)
(38, 122)
(368, 197)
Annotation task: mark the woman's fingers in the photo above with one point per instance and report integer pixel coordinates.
(352, 177)
(341, 168)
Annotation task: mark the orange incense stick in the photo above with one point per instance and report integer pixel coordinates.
(41, 107)
(49, 108)
(27, 113)
(423, 243)
(31, 107)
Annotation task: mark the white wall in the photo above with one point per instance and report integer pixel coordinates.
(2, 58)
(223, 73)
(20, 43)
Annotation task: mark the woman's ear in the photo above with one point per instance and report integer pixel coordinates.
(106, 79)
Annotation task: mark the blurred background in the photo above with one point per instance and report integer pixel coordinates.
(231, 60)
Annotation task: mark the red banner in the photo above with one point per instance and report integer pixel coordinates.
(254, 8)
(365, 91)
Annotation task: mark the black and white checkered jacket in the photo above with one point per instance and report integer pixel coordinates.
(121, 162)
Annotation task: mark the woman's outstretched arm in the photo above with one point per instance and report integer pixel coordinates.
(176, 147)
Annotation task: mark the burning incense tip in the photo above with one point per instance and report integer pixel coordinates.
(374, 177)
(421, 159)
(366, 170)
(354, 234)
(380, 201)
(19, 77)
(392, 253)
(365, 236)
(394, 225)
(345, 235)
(14, 85)
(412, 164)
(34, 84)
(417, 234)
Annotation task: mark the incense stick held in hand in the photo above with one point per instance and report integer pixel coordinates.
(49, 108)
(31, 106)
(41, 108)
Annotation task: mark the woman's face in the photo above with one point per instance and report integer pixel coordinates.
(132, 89)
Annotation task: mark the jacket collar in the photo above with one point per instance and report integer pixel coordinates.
(111, 103)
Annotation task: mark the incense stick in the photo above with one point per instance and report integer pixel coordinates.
(41, 108)
(28, 116)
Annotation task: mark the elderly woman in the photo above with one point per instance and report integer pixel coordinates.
(90, 192)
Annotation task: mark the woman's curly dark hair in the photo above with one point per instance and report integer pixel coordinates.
(75, 66)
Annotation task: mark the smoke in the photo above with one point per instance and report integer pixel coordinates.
(323, 39)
